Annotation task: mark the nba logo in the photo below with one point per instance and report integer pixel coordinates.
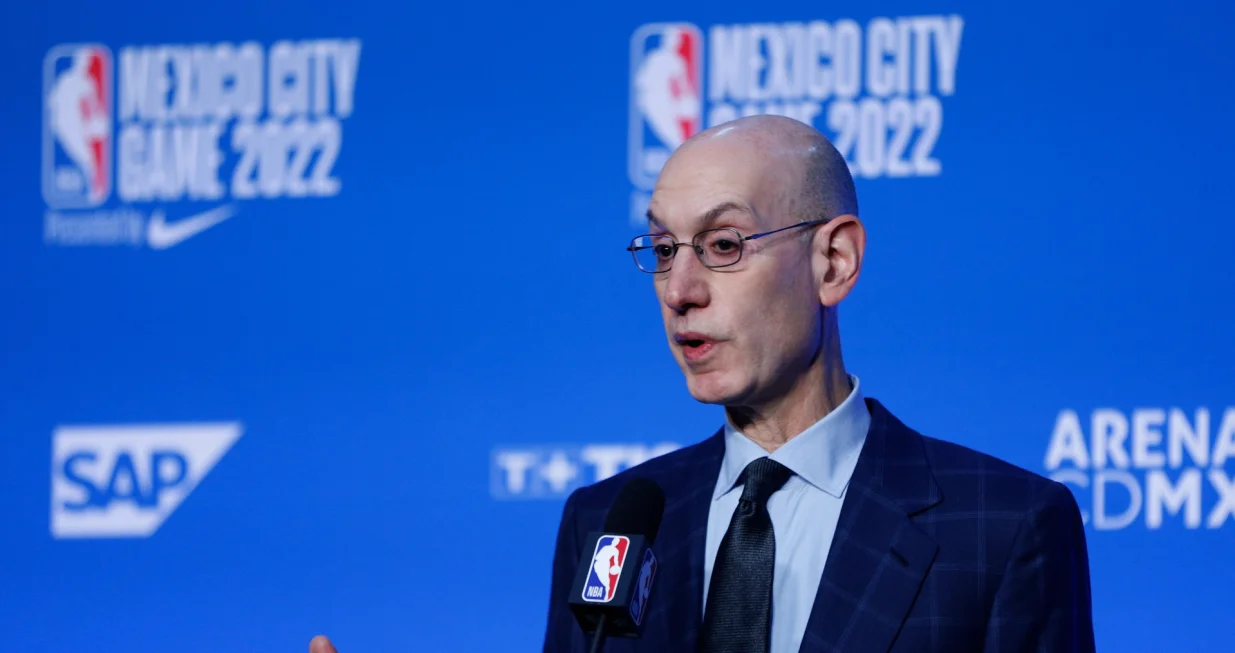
(607, 563)
(643, 588)
(77, 126)
(666, 95)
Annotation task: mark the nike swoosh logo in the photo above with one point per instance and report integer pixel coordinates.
(161, 234)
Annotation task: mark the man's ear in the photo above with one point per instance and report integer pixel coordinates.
(838, 248)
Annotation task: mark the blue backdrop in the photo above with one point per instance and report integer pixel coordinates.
(315, 312)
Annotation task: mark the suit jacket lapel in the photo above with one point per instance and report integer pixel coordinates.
(879, 557)
(680, 544)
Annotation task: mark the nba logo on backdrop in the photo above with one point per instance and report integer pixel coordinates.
(666, 95)
(77, 129)
(607, 563)
(875, 89)
(160, 143)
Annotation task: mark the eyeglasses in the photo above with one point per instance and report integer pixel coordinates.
(716, 248)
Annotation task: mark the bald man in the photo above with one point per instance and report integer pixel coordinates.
(813, 520)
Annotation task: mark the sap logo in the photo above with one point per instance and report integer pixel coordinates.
(125, 481)
(554, 472)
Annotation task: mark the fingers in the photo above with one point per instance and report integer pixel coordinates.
(321, 644)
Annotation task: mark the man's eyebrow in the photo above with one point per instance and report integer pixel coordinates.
(653, 221)
(708, 218)
(717, 211)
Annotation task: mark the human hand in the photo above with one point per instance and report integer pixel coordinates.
(321, 644)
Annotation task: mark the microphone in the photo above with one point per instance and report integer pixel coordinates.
(609, 597)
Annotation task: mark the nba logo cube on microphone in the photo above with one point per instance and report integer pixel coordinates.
(666, 95)
(608, 562)
(643, 588)
(614, 580)
(77, 126)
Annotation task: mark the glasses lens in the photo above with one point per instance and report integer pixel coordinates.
(720, 247)
(654, 253)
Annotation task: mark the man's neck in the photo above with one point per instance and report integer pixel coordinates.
(809, 400)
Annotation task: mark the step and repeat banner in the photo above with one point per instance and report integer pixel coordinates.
(316, 312)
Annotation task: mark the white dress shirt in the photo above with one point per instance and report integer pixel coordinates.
(804, 512)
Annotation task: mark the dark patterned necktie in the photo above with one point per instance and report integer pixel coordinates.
(738, 616)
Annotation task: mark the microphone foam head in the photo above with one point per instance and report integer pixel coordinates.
(637, 510)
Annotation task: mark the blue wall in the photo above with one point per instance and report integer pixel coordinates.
(351, 395)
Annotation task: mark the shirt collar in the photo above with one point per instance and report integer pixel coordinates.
(824, 455)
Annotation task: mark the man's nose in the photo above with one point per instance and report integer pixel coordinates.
(686, 282)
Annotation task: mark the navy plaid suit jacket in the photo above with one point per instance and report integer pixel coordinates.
(938, 548)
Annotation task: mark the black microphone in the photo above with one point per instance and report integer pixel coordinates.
(609, 597)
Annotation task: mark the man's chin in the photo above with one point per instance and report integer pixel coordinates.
(713, 388)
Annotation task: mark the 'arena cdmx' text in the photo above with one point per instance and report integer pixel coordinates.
(1162, 463)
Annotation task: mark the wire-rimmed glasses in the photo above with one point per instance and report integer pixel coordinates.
(716, 248)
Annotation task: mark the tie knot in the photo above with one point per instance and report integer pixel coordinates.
(761, 478)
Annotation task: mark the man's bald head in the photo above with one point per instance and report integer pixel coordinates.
(812, 177)
(748, 319)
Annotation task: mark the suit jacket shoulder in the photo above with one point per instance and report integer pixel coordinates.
(999, 550)
(960, 470)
